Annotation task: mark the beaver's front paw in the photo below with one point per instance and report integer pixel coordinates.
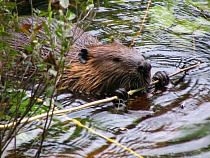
(163, 78)
(121, 93)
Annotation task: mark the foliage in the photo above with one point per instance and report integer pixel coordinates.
(24, 71)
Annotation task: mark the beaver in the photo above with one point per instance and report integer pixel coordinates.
(99, 68)
(106, 68)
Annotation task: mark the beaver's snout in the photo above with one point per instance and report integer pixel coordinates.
(144, 67)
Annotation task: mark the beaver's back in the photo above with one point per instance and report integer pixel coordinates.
(97, 68)
(21, 40)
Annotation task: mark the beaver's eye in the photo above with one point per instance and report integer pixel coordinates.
(116, 60)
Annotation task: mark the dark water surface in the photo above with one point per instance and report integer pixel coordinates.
(172, 122)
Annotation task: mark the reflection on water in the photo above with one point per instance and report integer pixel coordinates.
(170, 122)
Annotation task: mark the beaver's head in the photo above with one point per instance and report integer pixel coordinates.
(105, 68)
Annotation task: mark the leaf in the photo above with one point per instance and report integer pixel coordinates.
(47, 102)
(91, 6)
(24, 103)
(25, 28)
(50, 91)
(29, 63)
(23, 54)
(25, 31)
(50, 17)
(38, 28)
(49, 7)
(41, 66)
(2, 113)
(5, 34)
(53, 72)
(59, 33)
(70, 16)
(46, 28)
(64, 3)
(62, 88)
(59, 105)
(13, 52)
(34, 33)
(21, 3)
(56, 5)
(29, 48)
(10, 5)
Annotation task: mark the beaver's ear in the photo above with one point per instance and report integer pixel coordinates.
(84, 55)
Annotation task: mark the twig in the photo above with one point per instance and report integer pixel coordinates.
(101, 135)
(173, 74)
(92, 103)
(185, 69)
(142, 24)
(76, 122)
(197, 8)
(58, 112)
(87, 105)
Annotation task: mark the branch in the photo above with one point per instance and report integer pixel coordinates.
(142, 24)
(58, 112)
(76, 122)
(171, 75)
(92, 103)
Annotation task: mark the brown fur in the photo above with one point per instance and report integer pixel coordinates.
(109, 67)
(101, 74)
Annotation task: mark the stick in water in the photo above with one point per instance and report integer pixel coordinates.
(92, 103)
(173, 74)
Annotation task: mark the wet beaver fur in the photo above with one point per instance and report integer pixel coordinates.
(99, 68)
(106, 68)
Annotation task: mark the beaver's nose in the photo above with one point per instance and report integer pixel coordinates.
(144, 67)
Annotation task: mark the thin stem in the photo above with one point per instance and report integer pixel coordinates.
(142, 24)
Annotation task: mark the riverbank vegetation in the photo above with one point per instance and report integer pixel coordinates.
(24, 75)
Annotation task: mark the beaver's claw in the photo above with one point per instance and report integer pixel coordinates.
(121, 93)
(163, 78)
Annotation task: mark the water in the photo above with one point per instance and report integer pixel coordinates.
(171, 122)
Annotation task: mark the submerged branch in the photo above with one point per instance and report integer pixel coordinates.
(76, 122)
(142, 24)
(91, 103)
